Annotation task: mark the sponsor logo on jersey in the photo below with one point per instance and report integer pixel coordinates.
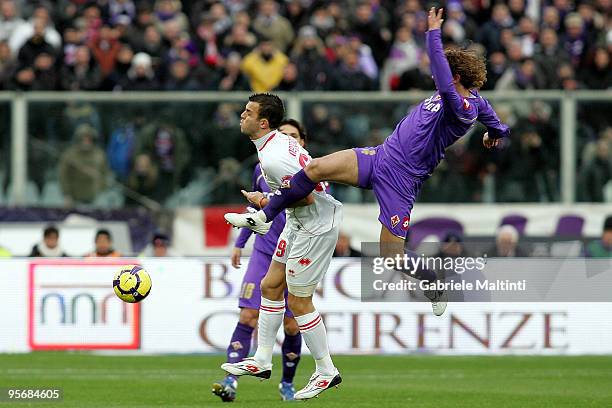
(405, 223)
(304, 261)
(286, 182)
(395, 220)
(368, 152)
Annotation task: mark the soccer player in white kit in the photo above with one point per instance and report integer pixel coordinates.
(303, 253)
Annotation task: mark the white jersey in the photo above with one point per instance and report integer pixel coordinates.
(281, 156)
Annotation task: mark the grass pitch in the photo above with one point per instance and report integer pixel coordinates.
(369, 381)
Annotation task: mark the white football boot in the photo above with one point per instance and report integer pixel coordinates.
(255, 221)
(248, 366)
(317, 384)
(439, 301)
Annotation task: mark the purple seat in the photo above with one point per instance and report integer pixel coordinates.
(517, 221)
(438, 226)
(569, 226)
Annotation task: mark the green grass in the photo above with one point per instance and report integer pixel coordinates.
(369, 381)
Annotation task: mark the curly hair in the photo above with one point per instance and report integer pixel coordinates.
(471, 68)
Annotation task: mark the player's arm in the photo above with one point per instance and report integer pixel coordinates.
(496, 130)
(441, 71)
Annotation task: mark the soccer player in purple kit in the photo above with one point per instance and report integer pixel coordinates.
(396, 169)
(250, 293)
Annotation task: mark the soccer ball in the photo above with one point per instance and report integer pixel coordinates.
(132, 283)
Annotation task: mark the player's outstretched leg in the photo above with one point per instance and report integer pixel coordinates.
(237, 350)
(311, 325)
(291, 349)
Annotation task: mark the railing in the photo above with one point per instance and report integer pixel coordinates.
(296, 103)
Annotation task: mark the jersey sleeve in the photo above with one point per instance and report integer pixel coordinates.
(459, 107)
(488, 117)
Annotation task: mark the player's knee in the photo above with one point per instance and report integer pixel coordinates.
(249, 317)
(314, 170)
(291, 326)
(271, 290)
(299, 305)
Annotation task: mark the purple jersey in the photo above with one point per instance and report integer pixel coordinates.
(263, 243)
(419, 140)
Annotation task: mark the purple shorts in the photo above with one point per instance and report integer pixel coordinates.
(250, 292)
(395, 190)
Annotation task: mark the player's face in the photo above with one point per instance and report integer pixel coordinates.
(293, 132)
(249, 119)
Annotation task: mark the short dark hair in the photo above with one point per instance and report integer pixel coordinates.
(608, 223)
(297, 125)
(50, 230)
(270, 107)
(103, 231)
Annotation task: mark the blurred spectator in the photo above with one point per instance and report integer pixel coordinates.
(522, 76)
(264, 66)
(270, 24)
(9, 19)
(35, 45)
(8, 64)
(506, 243)
(418, 77)
(103, 245)
(170, 10)
(181, 78)
(290, 81)
(159, 246)
(143, 179)
(370, 31)
(343, 247)
(105, 46)
(23, 32)
(119, 10)
(49, 246)
(84, 75)
(496, 67)
(240, 39)
(83, 168)
(350, 76)
(141, 76)
(549, 55)
(598, 74)
(231, 76)
(575, 39)
(596, 174)
(308, 53)
(404, 55)
(490, 33)
(602, 248)
(167, 146)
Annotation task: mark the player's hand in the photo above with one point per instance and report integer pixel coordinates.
(236, 254)
(488, 142)
(253, 197)
(434, 19)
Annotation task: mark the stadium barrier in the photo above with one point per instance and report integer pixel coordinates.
(19, 109)
(50, 304)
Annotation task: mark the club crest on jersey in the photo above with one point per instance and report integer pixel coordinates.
(304, 261)
(405, 223)
(466, 104)
(286, 182)
(395, 220)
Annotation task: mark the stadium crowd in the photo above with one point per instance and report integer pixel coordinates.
(295, 45)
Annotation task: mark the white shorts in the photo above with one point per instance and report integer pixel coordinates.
(307, 258)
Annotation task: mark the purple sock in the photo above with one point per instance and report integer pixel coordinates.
(299, 187)
(292, 347)
(240, 345)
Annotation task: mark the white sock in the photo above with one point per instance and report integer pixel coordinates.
(271, 314)
(314, 334)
